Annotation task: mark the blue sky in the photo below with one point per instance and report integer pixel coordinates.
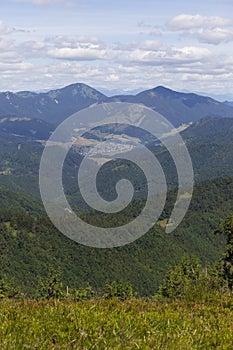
(118, 46)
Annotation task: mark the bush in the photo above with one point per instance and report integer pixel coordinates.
(83, 294)
(118, 290)
(179, 278)
(51, 287)
(7, 290)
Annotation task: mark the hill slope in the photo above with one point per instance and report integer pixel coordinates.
(24, 129)
(30, 245)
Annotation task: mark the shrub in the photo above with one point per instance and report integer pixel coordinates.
(179, 278)
(51, 287)
(118, 290)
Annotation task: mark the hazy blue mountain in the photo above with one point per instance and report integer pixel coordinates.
(56, 105)
(179, 108)
(53, 106)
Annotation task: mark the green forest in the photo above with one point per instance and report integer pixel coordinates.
(31, 245)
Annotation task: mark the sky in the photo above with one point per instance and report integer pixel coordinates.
(117, 46)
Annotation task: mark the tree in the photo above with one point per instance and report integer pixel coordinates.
(179, 278)
(7, 290)
(118, 290)
(51, 288)
(226, 228)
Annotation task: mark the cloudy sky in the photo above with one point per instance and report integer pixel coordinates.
(122, 45)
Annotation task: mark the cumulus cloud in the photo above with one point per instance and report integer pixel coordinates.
(168, 56)
(79, 48)
(214, 36)
(4, 28)
(206, 29)
(151, 45)
(78, 54)
(5, 43)
(188, 22)
(73, 41)
(17, 67)
(33, 45)
(32, 49)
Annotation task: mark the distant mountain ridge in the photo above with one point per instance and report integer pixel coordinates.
(53, 106)
(56, 105)
(179, 108)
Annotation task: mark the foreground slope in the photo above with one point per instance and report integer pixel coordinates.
(135, 324)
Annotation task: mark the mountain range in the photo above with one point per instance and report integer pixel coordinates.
(56, 105)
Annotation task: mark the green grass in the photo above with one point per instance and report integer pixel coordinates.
(110, 324)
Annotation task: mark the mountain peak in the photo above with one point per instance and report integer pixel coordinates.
(158, 91)
(161, 88)
(78, 89)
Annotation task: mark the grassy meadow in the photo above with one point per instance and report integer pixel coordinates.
(112, 324)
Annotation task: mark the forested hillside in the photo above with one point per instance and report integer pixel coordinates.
(30, 245)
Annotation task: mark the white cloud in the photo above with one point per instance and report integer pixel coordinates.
(206, 29)
(4, 28)
(78, 54)
(32, 49)
(34, 45)
(192, 52)
(112, 77)
(12, 69)
(167, 56)
(5, 44)
(214, 36)
(188, 22)
(75, 41)
(143, 45)
(151, 45)
(79, 48)
(126, 69)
